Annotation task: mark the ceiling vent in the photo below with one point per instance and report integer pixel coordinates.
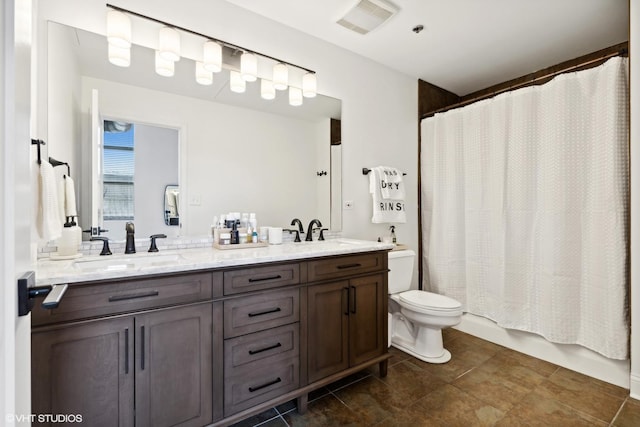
(368, 15)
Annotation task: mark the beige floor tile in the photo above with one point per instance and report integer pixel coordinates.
(584, 394)
(326, 411)
(629, 415)
(539, 410)
(484, 384)
(450, 406)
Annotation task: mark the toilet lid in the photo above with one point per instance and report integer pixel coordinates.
(429, 300)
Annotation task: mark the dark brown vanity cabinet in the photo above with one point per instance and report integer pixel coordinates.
(212, 347)
(347, 312)
(347, 324)
(161, 359)
(85, 370)
(262, 336)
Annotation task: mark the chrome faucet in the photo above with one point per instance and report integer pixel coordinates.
(130, 247)
(309, 237)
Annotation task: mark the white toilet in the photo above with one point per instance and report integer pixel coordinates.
(416, 318)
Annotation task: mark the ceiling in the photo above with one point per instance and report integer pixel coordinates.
(466, 45)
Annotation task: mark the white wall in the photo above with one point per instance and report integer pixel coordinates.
(157, 158)
(379, 105)
(63, 117)
(634, 78)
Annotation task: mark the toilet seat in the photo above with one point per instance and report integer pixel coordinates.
(428, 303)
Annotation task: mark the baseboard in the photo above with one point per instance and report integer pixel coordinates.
(634, 391)
(574, 357)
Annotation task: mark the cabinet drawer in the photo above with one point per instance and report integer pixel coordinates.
(242, 353)
(93, 300)
(259, 312)
(261, 384)
(259, 278)
(344, 266)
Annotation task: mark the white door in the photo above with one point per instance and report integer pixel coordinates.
(15, 208)
(96, 162)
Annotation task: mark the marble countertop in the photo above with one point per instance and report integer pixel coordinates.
(89, 268)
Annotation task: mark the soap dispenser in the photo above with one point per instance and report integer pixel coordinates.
(393, 234)
(70, 239)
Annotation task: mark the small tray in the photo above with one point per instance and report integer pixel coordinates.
(241, 246)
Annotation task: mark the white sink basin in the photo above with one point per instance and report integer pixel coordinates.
(129, 262)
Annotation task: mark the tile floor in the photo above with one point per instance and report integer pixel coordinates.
(484, 384)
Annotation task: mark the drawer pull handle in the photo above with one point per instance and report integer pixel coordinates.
(142, 346)
(260, 350)
(262, 279)
(276, 381)
(352, 300)
(269, 311)
(345, 300)
(126, 350)
(133, 296)
(342, 267)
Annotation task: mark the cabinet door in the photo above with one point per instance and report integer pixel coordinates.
(174, 367)
(367, 318)
(85, 370)
(328, 329)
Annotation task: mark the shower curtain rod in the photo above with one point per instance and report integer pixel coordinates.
(621, 52)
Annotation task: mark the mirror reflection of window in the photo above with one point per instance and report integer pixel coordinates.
(118, 166)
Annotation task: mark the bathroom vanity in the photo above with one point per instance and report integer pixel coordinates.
(206, 336)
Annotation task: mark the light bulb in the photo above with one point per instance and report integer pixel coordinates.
(267, 91)
(169, 44)
(118, 29)
(164, 67)
(236, 82)
(309, 85)
(203, 76)
(249, 66)
(280, 76)
(212, 56)
(295, 96)
(120, 56)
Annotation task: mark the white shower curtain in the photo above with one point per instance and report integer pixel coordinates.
(526, 212)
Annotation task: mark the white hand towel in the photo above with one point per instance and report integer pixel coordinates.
(384, 210)
(48, 221)
(70, 198)
(61, 198)
(391, 183)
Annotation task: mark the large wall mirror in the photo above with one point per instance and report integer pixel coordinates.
(236, 152)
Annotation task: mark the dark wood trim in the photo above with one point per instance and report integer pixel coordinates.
(536, 78)
(336, 131)
(432, 98)
(420, 272)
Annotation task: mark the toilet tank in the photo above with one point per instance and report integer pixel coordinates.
(400, 270)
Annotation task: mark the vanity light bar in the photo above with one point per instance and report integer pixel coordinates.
(170, 50)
